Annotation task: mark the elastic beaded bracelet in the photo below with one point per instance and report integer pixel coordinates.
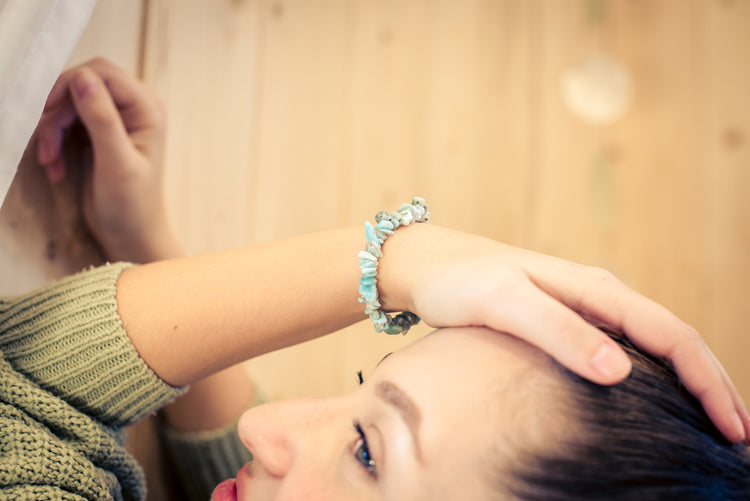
(385, 224)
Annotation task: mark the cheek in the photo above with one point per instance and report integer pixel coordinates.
(456, 443)
(457, 458)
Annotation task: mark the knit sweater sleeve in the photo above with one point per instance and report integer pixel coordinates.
(203, 459)
(68, 339)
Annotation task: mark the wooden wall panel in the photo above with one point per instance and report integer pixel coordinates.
(294, 116)
(723, 224)
(615, 195)
(202, 59)
(288, 116)
(115, 31)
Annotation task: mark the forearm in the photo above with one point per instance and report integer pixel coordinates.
(194, 316)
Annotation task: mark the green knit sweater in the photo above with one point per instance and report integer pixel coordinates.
(70, 380)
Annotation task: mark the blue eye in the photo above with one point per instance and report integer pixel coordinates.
(362, 452)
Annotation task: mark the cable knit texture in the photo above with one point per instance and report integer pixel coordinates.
(69, 381)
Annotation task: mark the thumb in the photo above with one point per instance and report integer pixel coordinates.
(99, 115)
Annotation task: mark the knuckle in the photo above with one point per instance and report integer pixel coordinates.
(689, 346)
(568, 333)
(99, 61)
(693, 336)
(103, 119)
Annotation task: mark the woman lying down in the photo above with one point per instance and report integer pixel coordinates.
(462, 414)
(470, 414)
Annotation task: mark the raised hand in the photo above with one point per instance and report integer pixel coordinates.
(119, 157)
(455, 279)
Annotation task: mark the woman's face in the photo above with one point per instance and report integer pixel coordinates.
(422, 426)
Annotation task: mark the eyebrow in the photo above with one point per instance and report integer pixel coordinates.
(395, 396)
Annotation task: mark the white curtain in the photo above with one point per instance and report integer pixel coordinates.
(36, 39)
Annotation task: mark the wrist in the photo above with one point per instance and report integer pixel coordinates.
(396, 272)
(386, 223)
(140, 245)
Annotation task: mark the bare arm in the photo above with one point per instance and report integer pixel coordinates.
(194, 316)
(197, 315)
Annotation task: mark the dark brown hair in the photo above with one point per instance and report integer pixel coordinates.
(644, 439)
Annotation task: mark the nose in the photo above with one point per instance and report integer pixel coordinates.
(279, 434)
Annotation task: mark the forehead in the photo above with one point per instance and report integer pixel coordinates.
(463, 381)
(470, 351)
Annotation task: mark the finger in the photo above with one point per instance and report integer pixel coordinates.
(541, 320)
(98, 113)
(595, 293)
(739, 404)
(49, 139)
(138, 108)
(701, 374)
(60, 89)
(659, 332)
(59, 92)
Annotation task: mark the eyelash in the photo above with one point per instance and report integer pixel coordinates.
(362, 452)
(361, 447)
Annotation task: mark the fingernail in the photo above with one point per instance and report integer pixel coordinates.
(84, 84)
(609, 361)
(739, 428)
(737, 434)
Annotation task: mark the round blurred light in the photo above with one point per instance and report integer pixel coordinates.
(597, 89)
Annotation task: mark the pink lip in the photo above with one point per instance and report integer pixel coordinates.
(225, 491)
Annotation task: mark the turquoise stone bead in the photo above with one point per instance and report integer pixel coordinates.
(384, 226)
(384, 234)
(382, 215)
(370, 232)
(374, 248)
(367, 281)
(366, 255)
(379, 320)
(369, 292)
(369, 271)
